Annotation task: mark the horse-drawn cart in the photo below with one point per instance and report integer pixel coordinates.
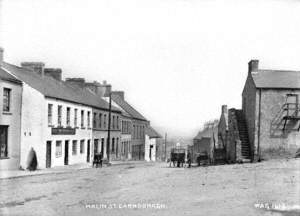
(177, 156)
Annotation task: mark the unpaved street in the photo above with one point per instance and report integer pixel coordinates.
(123, 189)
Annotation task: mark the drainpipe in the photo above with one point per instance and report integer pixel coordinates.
(259, 120)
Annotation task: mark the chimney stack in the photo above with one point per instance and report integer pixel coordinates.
(224, 109)
(119, 93)
(56, 73)
(37, 67)
(253, 65)
(1, 55)
(77, 82)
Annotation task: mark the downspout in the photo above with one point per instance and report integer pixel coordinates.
(259, 120)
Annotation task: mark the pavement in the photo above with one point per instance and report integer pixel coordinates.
(7, 174)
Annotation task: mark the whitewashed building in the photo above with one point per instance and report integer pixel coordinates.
(151, 143)
(56, 118)
(10, 120)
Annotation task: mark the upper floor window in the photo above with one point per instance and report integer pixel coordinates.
(6, 99)
(95, 120)
(82, 118)
(50, 113)
(100, 120)
(68, 116)
(59, 115)
(104, 121)
(88, 119)
(75, 117)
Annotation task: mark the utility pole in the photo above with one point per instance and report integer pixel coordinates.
(108, 131)
(165, 146)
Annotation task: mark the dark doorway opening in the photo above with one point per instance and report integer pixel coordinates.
(66, 161)
(48, 154)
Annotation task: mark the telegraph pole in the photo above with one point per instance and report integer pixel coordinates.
(165, 146)
(108, 131)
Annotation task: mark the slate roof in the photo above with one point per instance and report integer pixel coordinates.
(127, 107)
(152, 133)
(8, 77)
(53, 88)
(276, 79)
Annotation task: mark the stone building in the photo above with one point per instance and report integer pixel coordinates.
(151, 143)
(205, 141)
(138, 124)
(269, 122)
(10, 119)
(270, 106)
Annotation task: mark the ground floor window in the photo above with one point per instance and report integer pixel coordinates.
(3, 142)
(81, 146)
(74, 147)
(58, 151)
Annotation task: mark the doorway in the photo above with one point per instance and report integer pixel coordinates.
(150, 152)
(48, 154)
(88, 151)
(66, 161)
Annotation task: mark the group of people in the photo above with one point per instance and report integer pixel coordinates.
(98, 160)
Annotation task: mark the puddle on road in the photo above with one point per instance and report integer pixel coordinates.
(15, 203)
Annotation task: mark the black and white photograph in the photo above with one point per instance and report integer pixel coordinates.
(149, 107)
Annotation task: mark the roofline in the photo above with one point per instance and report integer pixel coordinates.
(12, 80)
(83, 104)
(279, 88)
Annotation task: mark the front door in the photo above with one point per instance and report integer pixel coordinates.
(48, 154)
(66, 161)
(88, 151)
(3, 141)
(150, 152)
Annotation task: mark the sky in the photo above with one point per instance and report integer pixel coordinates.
(178, 61)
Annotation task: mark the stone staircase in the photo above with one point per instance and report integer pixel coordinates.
(243, 134)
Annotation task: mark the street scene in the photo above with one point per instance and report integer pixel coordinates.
(138, 107)
(156, 189)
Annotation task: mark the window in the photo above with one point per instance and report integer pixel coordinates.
(88, 119)
(3, 142)
(50, 111)
(104, 123)
(94, 120)
(74, 147)
(68, 116)
(82, 118)
(113, 122)
(117, 122)
(81, 146)
(100, 120)
(59, 109)
(134, 132)
(58, 151)
(75, 117)
(6, 99)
